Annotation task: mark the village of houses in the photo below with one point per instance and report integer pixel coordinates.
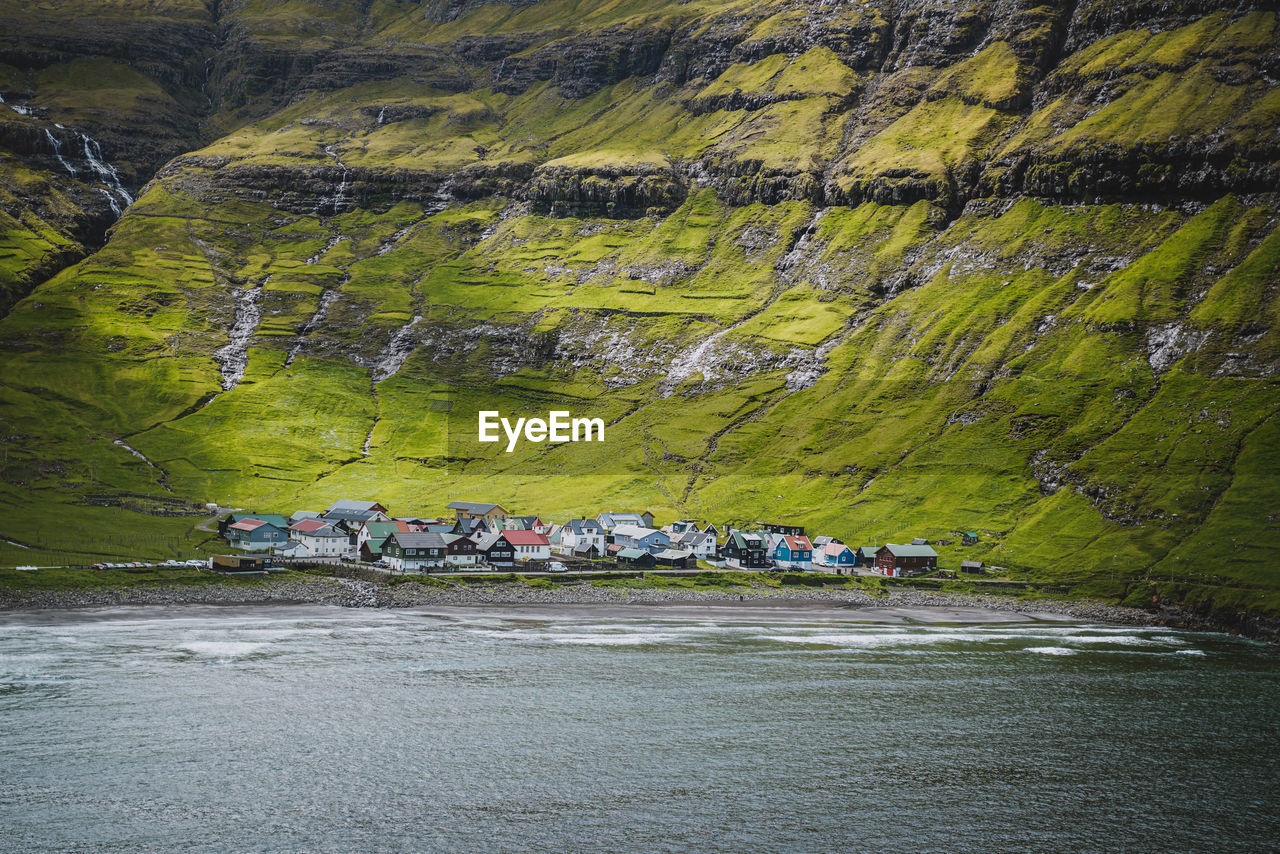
(483, 536)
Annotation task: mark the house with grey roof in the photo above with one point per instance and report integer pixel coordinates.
(414, 552)
(581, 533)
(610, 520)
(320, 539)
(495, 550)
(703, 545)
(493, 513)
(363, 506)
(640, 537)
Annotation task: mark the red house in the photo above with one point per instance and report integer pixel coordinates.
(901, 560)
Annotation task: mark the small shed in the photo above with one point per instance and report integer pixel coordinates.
(971, 566)
(969, 538)
(636, 557)
(676, 559)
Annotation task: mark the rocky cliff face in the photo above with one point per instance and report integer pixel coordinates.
(996, 265)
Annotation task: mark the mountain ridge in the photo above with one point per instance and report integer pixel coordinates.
(1026, 257)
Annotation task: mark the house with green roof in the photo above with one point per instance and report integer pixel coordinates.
(897, 560)
(274, 518)
(636, 557)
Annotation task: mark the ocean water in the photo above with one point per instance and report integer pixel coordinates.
(310, 729)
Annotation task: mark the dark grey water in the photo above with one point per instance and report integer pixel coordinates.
(309, 729)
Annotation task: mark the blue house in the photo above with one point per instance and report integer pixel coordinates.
(791, 551)
(835, 555)
(638, 537)
(255, 534)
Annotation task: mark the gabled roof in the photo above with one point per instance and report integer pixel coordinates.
(274, 518)
(437, 529)
(474, 507)
(919, 541)
(976, 564)
(585, 548)
(868, 551)
(526, 538)
(348, 515)
(306, 526)
(248, 525)
(911, 550)
(631, 554)
(465, 525)
(484, 542)
(583, 526)
(747, 540)
(299, 515)
(673, 554)
(382, 530)
(363, 506)
(638, 532)
(610, 519)
(794, 542)
(418, 540)
(693, 538)
(833, 548)
(328, 532)
(450, 539)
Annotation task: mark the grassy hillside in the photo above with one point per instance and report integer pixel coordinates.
(886, 276)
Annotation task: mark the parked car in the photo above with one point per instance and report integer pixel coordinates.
(557, 566)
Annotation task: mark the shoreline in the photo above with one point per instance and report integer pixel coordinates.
(525, 600)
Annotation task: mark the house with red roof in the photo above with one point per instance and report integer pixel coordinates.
(255, 534)
(791, 551)
(370, 535)
(528, 545)
(835, 555)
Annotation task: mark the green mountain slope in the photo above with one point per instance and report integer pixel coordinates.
(891, 269)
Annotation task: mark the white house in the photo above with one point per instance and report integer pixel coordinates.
(528, 545)
(581, 532)
(292, 549)
(460, 550)
(702, 545)
(320, 539)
